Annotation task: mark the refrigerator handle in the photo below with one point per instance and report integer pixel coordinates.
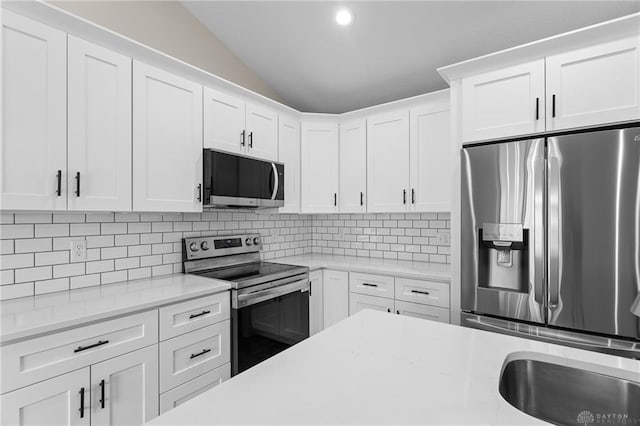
(538, 226)
(553, 242)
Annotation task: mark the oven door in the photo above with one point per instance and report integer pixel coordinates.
(267, 319)
(232, 180)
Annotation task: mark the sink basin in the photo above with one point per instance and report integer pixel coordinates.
(566, 395)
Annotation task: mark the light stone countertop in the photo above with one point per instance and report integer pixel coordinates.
(35, 315)
(404, 268)
(380, 369)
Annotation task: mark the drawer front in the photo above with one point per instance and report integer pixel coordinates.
(193, 314)
(373, 285)
(190, 355)
(37, 359)
(425, 292)
(180, 394)
(358, 302)
(422, 311)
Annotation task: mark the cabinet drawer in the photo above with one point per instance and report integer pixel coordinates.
(358, 302)
(374, 285)
(37, 359)
(422, 311)
(190, 355)
(425, 292)
(193, 314)
(180, 394)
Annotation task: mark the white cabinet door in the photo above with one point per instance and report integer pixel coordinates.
(353, 166)
(431, 160)
(124, 390)
(507, 102)
(594, 85)
(289, 154)
(181, 394)
(335, 293)
(319, 167)
(167, 141)
(358, 302)
(99, 142)
(33, 155)
(315, 302)
(262, 132)
(388, 162)
(416, 310)
(224, 122)
(51, 402)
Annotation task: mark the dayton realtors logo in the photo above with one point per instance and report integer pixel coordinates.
(588, 418)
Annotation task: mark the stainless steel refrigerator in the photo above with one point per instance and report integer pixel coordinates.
(550, 239)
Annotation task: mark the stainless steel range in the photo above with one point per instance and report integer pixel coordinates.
(269, 301)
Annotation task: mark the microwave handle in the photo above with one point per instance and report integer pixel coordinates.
(276, 182)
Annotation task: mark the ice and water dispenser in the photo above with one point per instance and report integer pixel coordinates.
(503, 256)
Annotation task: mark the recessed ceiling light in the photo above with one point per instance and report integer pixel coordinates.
(344, 17)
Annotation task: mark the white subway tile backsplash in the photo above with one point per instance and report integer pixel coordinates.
(13, 261)
(6, 247)
(33, 274)
(6, 277)
(85, 281)
(99, 266)
(100, 241)
(85, 229)
(51, 286)
(33, 218)
(51, 230)
(113, 228)
(52, 258)
(33, 245)
(113, 252)
(113, 277)
(16, 231)
(138, 273)
(16, 290)
(68, 270)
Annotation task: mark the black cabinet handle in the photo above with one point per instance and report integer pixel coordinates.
(537, 108)
(420, 292)
(59, 177)
(404, 196)
(310, 282)
(250, 139)
(389, 310)
(95, 345)
(369, 285)
(335, 199)
(77, 184)
(361, 198)
(101, 394)
(81, 403)
(413, 196)
(200, 192)
(398, 312)
(242, 142)
(200, 353)
(553, 106)
(192, 316)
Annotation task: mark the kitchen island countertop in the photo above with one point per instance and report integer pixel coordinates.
(376, 368)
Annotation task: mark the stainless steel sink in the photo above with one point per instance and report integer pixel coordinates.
(565, 395)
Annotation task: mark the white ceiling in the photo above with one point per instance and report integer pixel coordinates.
(392, 49)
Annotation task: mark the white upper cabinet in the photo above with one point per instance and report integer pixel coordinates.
(594, 85)
(319, 167)
(99, 141)
(224, 122)
(430, 150)
(388, 162)
(33, 156)
(502, 103)
(262, 132)
(353, 166)
(167, 141)
(289, 155)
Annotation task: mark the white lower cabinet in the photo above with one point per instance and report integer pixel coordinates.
(335, 285)
(358, 302)
(124, 390)
(52, 402)
(180, 394)
(316, 294)
(422, 311)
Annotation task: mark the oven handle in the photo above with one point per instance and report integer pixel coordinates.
(248, 299)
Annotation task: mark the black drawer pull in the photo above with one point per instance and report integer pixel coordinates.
(537, 108)
(553, 106)
(420, 292)
(369, 285)
(59, 177)
(413, 196)
(95, 345)
(81, 402)
(404, 196)
(192, 316)
(362, 199)
(200, 353)
(77, 184)
(101, 401)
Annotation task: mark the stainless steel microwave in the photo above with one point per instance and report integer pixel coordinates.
(232, 180)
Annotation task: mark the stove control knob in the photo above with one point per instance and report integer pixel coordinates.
(248, 241)
(193, 247)
(204, 245)
(256, 241)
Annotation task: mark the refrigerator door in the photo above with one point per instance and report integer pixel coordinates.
(594, 231)
(502, 233)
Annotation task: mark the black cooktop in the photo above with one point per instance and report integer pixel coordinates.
(253, 273)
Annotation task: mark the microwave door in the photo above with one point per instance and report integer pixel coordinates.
(503, 230)
(594, 228)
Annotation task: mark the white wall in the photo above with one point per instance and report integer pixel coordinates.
(168, 27)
